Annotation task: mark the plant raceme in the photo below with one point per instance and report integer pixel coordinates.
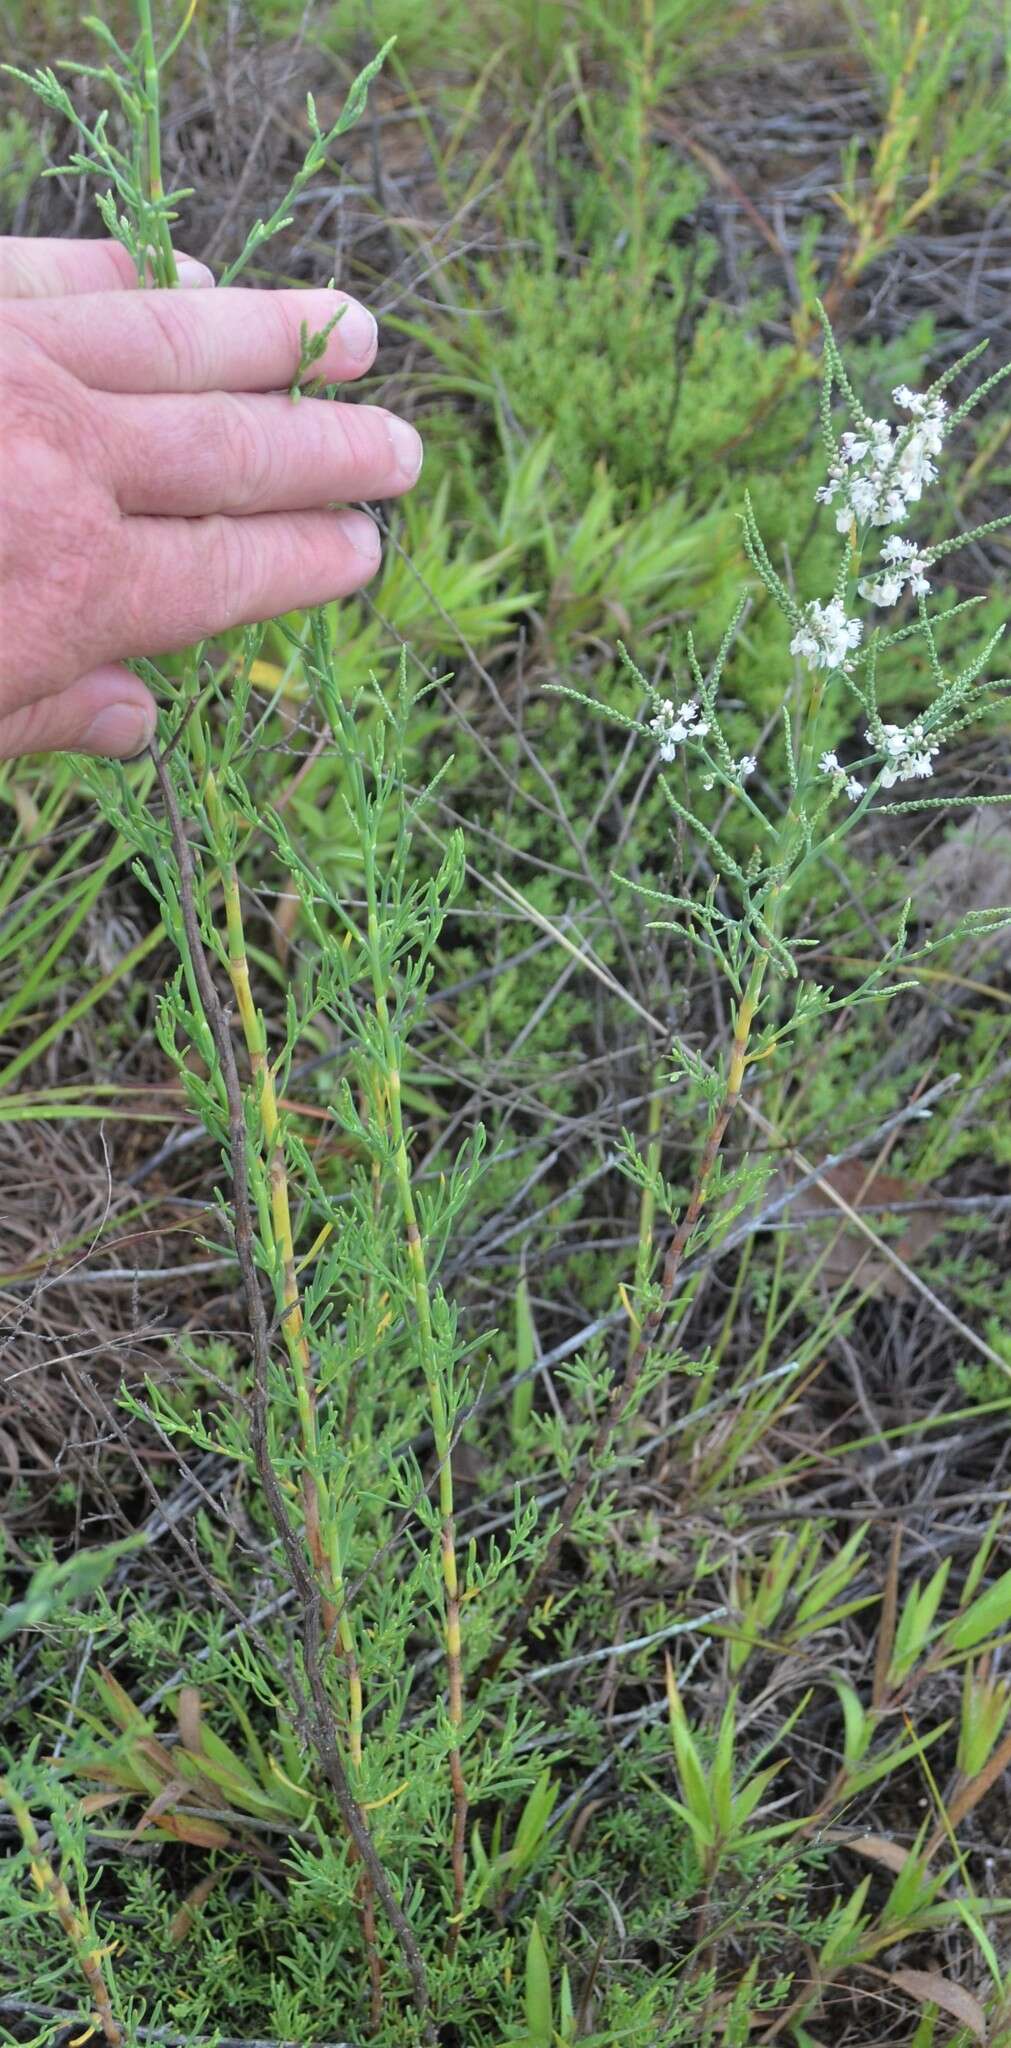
(877, 473)
(747, 920)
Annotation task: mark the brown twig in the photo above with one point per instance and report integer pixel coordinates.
(32, 2009)
(324, 1731)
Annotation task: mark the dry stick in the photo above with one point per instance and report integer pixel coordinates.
(623, 1390)
(351, 1812)
(32, 2009)
(87, 1952)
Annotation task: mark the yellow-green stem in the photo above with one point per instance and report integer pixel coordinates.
(647, 1205)
(317, 1506)
(320, 1523)
(74, 1922)
(623, 1390)
(437, 1403)
(164, 264)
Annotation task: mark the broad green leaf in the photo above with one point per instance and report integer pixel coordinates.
(988, 1614)
(55, 1587)
(526, 1353)
(538, 1989)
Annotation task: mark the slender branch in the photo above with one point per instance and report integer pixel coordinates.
(320, 1523)
(441, 1426)
(623, 1390)
(324, 1730)
(32, 2009)
(76, 1927)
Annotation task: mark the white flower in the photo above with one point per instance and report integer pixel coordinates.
(672, 726)
(829, 765)
(887, 590)
(882, 470)
(827, 637)
(895, 549)
(905, 565)
(746, 766)
(930, 411)
(909, 755)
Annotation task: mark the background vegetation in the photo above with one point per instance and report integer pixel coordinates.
(740, 1775)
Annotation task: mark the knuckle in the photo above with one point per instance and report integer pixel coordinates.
(358, 437)
(233, 570)
(274, 307)
(195, 581)
(179, 341)
(245, 452)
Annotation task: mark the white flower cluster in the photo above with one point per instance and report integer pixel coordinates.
(673, 725)
(882, 470)
(909, 755)
(827, 637)
(829, 765)
(903, 564)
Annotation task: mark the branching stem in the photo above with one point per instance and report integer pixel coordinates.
(623, 1390)
(75, 1925)
(306, 1585)
(441, 1426)
(164, 263)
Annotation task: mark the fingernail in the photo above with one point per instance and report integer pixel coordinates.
(407, 448)
(193, 276)
(361, 533)
(357, 332)
(121, 730)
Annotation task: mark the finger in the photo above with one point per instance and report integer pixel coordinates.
(226, 340)
(108, 712)
(188, 579)
(47, 267)
(228, 453)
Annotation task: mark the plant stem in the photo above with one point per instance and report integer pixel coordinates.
(441, 1428)
(324, 1731)
(163, 257)
(75, 1925)
(647, 1204)
(320, 1522)
(623, 1390)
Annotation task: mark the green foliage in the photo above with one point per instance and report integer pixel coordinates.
(22, 155)
(657, 1869)
(54, 1587)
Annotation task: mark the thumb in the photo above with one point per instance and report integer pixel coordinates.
(108, 712)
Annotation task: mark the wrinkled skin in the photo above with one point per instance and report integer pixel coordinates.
(157, 485)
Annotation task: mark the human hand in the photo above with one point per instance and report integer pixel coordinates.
(157, 486)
